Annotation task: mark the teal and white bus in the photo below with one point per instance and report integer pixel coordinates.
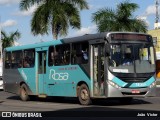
(88, 67)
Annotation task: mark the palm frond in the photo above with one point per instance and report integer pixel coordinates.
(3, 34)
(57, 15)
(72, 14)
(126, 9)
(60, 24)
(138, 26)
(8, 40)
(81, 4)
(26, 4)
(15, 35)
(40, 20)
(119, 20)
(102, 14)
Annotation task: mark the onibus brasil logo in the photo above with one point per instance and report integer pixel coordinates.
(58, 75)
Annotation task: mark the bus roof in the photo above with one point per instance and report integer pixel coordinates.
(36, 45)
(60, 41)
(87, 37)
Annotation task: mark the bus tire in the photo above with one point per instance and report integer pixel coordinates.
(24, 93)
(84, 95)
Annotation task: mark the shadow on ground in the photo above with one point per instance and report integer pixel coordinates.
(98, 102)
(98, 112)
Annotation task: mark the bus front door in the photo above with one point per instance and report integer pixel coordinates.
(98, 69)
(41, 55)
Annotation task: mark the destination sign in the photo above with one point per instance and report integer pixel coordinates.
(129, 37)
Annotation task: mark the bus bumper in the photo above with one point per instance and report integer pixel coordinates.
(131, 92)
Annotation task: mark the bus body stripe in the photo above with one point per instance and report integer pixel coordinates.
(121, 83)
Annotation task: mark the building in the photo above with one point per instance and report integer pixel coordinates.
(156, 36)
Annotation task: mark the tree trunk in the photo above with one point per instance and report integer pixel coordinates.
(54, 33)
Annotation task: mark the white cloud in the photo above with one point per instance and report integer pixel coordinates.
(86, 30)
(144, 18)
(91, 6)
(27, 12)
(9, 23)
(150, 10)
(95, 7)
(9, 2)
(16, 43)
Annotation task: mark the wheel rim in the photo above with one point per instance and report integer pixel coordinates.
(84, 94)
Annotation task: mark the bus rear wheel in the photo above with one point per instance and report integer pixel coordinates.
(24, 93)
(84, 95)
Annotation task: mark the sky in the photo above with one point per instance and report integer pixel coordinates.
(13, 19)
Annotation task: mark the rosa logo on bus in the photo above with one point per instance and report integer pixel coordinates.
(58, 76)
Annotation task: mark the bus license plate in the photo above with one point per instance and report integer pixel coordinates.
(135, 91)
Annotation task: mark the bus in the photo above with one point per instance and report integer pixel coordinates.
(88, 67)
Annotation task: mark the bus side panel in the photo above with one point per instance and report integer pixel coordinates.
(29, 77)
(63, 80)
(13, 78)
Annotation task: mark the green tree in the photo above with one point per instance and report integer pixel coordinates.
(121, 19)
(54, 15)
(8, 40)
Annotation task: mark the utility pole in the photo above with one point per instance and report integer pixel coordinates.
(157, 24)
(157, 16)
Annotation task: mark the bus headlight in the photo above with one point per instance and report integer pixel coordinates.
(113, 84)
(153, 84)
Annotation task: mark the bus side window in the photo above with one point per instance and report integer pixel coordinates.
(85, 52)
(8, 60)
(58, 56)
(17, 59)
(62, 55)
(29, 58)
(51, 53)
(80, 53)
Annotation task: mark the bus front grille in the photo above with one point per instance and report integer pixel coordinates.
(128, 93)
(128, 80)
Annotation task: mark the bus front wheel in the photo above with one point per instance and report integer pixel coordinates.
(24, 93)
(84, 95)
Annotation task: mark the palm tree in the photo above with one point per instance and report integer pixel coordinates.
(120, 19)
(8, 40)
(54, 15)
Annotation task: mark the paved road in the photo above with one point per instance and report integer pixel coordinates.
(11, 102)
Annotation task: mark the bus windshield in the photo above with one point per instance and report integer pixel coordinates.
(132, 58)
